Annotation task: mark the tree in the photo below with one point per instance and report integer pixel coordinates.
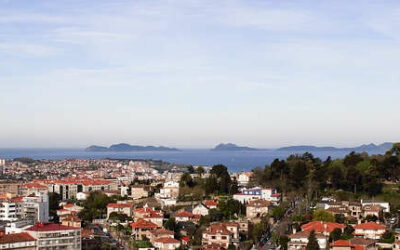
(283, 242)
(186, 180)
(312, 242)
(95, 206)
(54, 205)
(190, 169)
(323, 215)
(339, 218)
(335, 235)
(200, 171)
(170, 224)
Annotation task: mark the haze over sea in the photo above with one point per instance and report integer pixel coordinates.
(234, 160)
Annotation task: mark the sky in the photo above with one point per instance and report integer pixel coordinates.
(194, 73)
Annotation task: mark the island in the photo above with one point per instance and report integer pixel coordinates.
(125, 147)
(231, 147)
(363, 148)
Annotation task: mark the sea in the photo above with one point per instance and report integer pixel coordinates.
(235, 161)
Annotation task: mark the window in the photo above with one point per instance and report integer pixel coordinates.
(213, 237)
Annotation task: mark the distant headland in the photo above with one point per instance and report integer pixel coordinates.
(125, 147)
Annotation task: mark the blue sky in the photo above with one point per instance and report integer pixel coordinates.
(195, 73)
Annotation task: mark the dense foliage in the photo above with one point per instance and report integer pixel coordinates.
(355, 173)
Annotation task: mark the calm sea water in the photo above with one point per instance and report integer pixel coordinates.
(235, 161)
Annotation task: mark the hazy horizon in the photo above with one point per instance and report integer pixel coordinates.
(195, 73)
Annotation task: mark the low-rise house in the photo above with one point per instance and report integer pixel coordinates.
(186, 216)
(342, 210)
(155, 216)
(120, 208)
(257, 208)
(299, 240)
(369, 230)
(353, 244)
(159, 233)
(383, 204)
(248, 194)
(324, 228)
(166, 243)
(73, 207)
(141, 227)
(200, 209)
(221, 235)
(372, 210)
(71, 221)
(211, 204)
(244, 178)
(21, 241)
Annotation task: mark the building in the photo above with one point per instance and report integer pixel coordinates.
(149, 214)
(324, 228)
(55, 236)
(200, 209)
(221, 235)
(120, 208)
(21, 241)
(186, 216)
(170, 190)
(244, 178)
(299, 240)
(211, 204)
(159, 233)
(369, 230)
(139, 191)
(257, 208)
(68, 188)
(383, 204)
(32, 188)
(71, 221)
(353, 244)
(141, 227)
(166, 243)
(10, 188)
(372, 210)
(248, 194)
(36, 206)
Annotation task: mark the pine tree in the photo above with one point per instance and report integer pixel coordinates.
(312, 242)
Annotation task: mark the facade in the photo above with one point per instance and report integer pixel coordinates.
(246, 195)
(139, 191)
(55, 236)
(170, 190)
(300, 240)
(120, 208)
(187, 216)
(257, 208)
(200, 209)
(141, 227)
(244, 178)
(221, 235)
(166, 243)
(69, 188)
(369, 230)
(10, 188)
(21, 241)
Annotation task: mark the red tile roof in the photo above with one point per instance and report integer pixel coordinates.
(167, 240)
(34, 185)
(319, 226)
(50, 227)
(210, 203)
(143, 224)
(217, 229)
(119, 205)
(259, 203)
(370, 226)
(14, 238)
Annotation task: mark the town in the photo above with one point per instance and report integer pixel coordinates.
(139, 204)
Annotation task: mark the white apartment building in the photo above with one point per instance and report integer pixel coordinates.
(55, 236)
